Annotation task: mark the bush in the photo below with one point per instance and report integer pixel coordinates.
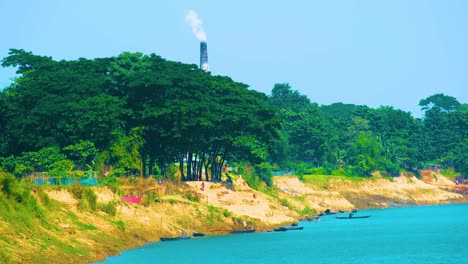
(150, 197)
(120, 224)
(112, 182)
(307, 211)
(191, 196)
(88, 200)
(109, 208)
(226, 213)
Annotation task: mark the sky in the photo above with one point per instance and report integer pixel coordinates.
(374, 53)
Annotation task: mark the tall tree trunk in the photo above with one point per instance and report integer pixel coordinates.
(200, 162)
(143, 163)
(181, 167)
(189, 166)
(206, 164)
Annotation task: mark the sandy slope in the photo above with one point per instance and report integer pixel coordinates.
(244, 201)
(375, 192)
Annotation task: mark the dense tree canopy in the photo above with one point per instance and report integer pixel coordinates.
(142, 114)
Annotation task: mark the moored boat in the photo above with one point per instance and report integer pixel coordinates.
(174, 238)
(352, 217)
(243, 231)
(198, 234)
(287, 228)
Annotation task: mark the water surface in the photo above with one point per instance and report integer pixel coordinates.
(425, 234)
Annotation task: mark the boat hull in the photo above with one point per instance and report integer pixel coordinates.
(353, 217)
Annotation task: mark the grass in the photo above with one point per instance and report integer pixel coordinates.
(214, 214)
(450, 173)
(64, 247)
(323, 181)
(119, 223)
(286, 203)
(78, 223)
(109, 208)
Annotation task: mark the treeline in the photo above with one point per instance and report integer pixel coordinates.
(141, 114)
(130, 114)
(347, 139)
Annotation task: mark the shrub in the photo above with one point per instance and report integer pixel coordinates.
(88, 200)
(109, 208)
(307, 211)
(150, 197)
(191, 196)
(226, 213)
(120, 224)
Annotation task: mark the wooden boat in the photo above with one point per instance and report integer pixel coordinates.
(287, 228)
(175, 238)
(243, 231)
(352, 217)
(198, 234)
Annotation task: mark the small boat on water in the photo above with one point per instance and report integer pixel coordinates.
(198, 234)
(175, 238)
(183, 235)
(243, 231)
(351, 216)
(287, 228)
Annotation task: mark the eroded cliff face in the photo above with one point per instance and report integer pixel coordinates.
(341, 194)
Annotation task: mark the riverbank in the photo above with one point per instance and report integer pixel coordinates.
(71, 230)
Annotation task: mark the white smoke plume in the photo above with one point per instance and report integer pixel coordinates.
(196, 24)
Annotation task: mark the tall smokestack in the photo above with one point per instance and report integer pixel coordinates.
(203, 56)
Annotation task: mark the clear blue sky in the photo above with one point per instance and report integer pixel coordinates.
(389, 52)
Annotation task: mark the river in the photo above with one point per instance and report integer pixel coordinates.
(419, 234)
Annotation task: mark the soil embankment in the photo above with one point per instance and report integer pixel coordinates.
(75, 231)
(338, 193)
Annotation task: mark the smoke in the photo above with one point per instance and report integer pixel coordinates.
(196, 24)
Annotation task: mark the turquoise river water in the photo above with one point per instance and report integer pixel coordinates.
(422, 234)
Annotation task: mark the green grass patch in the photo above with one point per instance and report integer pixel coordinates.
(83, 226)
(64, 247)
(450, 173)
(307, 211)
(119, 223)
(286, 203)
(109, 208)
(214, 215)
(323, 181)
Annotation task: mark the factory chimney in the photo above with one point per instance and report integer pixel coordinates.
(204, 56)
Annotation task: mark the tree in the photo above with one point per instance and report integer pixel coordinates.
(440, 101)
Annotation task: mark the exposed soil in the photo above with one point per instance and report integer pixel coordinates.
(75, 235)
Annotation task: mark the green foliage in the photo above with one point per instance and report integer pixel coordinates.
(264, 173)
(149, 198)
(215, 214)
(112, 182)
(137, 114)
(226, 213)
(307, 211)
(120, 224)
(117, 172)
(88, 200)
(286, 203)
(82, 153)
(192, 196)
(439, 101)
(109, 208)
(124, 153)
(62, 168)
(17, 204)
(45, 159)
(323, 181)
